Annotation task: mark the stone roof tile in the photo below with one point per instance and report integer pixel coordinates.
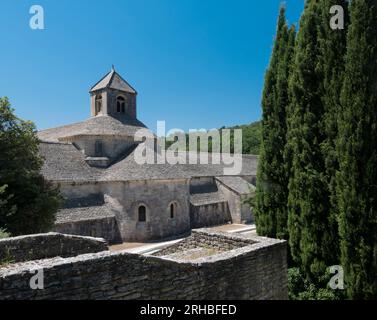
(113, 80)
(83, 214)
(63, 162)
(99, 125)
(237, 184)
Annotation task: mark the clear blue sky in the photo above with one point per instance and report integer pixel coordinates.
(195, 63)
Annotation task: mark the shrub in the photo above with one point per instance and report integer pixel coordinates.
(300, 288)
(4, 234)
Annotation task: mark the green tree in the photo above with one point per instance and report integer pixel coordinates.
(282, 106)
(271, 192)
(251, 138)
(357, 146)
(308, 200)
(332, 45)
(3, 204)
(28, 202)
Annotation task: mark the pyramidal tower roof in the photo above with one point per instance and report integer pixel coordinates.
(113, 80)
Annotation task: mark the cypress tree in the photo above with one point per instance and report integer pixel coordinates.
(332, 44)
(271, 192)
(282, 105)
(357, 146)
(308, 200)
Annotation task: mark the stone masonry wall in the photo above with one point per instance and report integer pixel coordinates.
(212, 214)
(106, 228)
(112, 95)
(255, 271)
(239, 211)
(155, 195)
(42, 246)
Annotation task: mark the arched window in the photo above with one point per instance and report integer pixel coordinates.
(172, 210)
(121, 105)
(98, 103)
(142, 213)
(98, 149)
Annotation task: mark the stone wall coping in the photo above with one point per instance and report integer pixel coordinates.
(49, 234)
(120, 181)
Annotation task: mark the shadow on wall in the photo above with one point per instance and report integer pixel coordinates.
(106, 228)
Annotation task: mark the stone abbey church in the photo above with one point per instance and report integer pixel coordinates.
(109, 195)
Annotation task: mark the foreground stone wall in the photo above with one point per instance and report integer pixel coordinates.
(256, 270)
(42, 246)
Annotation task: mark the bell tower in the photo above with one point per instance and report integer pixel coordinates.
(113, 96)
